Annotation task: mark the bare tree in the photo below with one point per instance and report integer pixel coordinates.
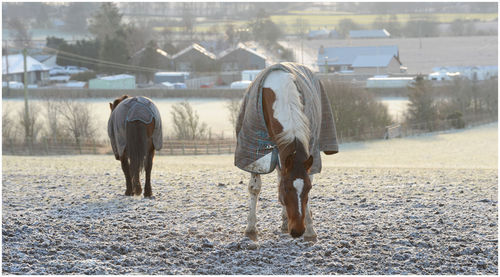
(20, 31)
(187, 123)
(78, 121)
(30, 124)
(8, 127)
(234, 108)
(53, 116)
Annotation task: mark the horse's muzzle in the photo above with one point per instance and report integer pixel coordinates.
(295, 233)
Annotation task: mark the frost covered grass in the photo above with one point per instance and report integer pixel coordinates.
(420, 205)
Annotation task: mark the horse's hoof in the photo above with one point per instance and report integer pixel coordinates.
(138, 191)
(128, 193)
(149, 195)
(251, 235)
(310, 238)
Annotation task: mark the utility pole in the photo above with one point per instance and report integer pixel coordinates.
(27, 128)
(7, 67)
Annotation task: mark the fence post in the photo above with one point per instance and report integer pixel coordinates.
(183, 152)
(207, 148)
(171, 149)
(218, 147)
(95, 148)
(195, 148)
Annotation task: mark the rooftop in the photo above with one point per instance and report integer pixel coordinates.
(372, 61)
(347, 55)
(16, 64)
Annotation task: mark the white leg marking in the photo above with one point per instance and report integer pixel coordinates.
(309, 233)
(254, 190)
(298, 184)
(284, 220)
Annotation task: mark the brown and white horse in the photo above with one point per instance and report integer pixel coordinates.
(289, 128)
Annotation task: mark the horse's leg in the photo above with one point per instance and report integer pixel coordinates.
(126, 171)
(284, 220)
(254, 190)
(284, 217)
(149, 165)
(309, 234)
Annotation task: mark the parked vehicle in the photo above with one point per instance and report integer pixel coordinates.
(240, 84)
(13, 84)
(57, 70)
(171, 77)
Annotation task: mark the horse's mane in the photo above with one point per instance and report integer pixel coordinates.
(118, 100)
(289, 110)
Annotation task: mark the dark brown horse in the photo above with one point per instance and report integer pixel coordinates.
(134, 127)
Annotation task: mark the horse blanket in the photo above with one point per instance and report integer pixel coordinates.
(131, 109)
(255, 151)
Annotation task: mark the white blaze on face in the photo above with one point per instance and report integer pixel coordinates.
(298, 184)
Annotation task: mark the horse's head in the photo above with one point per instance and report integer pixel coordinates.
(294, 186)
(117, 101)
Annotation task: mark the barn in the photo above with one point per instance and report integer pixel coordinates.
(121, 81)
(376, 64)
(194, 58)
(241, 58)
(38, 73)
(341, 59)
(162, 58)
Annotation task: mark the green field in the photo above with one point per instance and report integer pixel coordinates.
(318, 20)
(329, 20)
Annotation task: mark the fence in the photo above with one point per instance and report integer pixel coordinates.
(405, 130)
(46, 146)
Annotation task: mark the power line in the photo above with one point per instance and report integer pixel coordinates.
(103, 62)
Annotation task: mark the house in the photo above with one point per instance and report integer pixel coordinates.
(341, 59)
(318, 34)
(322, 34)
(164, 63)
(369, 34)
(47, 59)
(38, 73)
(376, 64)
(194, 58)
(121, 81)
(241, 58)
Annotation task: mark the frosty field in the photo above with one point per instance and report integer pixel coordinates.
(418, 205)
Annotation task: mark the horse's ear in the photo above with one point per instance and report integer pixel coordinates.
(111, 106)
(308, 163)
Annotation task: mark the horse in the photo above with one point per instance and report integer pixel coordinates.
(293, 121)
(135, 132)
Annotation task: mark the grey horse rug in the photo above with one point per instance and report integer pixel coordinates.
(131, 109)
(255, 151)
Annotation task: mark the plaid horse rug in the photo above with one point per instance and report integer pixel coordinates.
(131, 109)
(255, 151)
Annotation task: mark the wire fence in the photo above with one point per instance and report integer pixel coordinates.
(173, 147)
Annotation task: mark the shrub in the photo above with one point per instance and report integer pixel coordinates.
(422, 110)
(187, 123)
(358, 115)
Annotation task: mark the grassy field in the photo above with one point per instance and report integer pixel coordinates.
(322, 19)
(419, 55)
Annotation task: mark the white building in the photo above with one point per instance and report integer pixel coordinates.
(38, 73)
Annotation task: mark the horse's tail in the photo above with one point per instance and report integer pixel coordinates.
(137, 147)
